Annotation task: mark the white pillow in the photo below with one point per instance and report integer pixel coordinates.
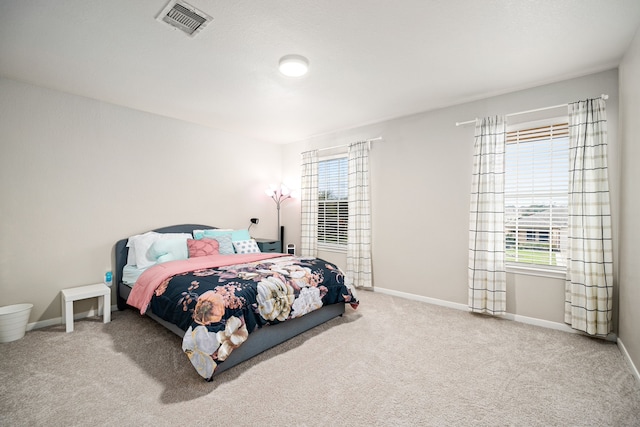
(246, 247)
(142, 242)
(131, 256)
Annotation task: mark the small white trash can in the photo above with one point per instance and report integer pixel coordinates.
(13, 321)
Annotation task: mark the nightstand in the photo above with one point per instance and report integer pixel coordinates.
(70, 295)
(269, 245)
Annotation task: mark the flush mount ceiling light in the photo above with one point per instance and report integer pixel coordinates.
(294, 65)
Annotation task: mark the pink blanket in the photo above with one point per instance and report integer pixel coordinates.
(154, 276)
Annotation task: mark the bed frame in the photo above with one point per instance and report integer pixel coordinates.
(258, 341)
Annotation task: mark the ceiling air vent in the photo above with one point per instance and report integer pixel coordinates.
(184, 17)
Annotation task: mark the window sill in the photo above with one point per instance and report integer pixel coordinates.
(544, 271)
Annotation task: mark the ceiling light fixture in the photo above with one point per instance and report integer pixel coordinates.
(294, 65)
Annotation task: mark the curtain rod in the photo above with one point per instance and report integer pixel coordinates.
(379, 138)
(603, 96)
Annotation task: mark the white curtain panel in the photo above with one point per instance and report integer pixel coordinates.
(359, 227)
(309, 204)
(487, 275)
(589, 285)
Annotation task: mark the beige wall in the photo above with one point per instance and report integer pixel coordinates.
(421, 178)
(629, 317)
(76, 175)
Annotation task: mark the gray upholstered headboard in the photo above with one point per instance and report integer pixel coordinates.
(122, 252)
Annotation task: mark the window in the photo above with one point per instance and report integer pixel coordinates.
(536, 194)
(544, 236)
(333, 203)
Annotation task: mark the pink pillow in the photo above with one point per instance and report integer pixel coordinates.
(202, 247)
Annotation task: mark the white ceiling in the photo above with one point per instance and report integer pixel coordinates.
(370, 59)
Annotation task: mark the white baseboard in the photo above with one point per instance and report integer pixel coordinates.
(44, 323)
(627, 357)
(415, 297)
(541, 322)
(516, 317)
(58, 320)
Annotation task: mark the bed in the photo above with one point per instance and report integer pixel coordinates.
(227, 308)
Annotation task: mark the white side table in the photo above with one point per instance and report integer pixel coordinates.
(70, 295)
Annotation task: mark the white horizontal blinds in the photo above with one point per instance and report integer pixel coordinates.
(536, 195)
(333, 201)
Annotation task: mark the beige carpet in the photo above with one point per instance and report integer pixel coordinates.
(391, 362)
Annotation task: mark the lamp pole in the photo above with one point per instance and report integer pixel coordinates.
(278, 195)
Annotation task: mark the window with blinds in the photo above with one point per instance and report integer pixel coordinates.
(333, 203)
(536, 194)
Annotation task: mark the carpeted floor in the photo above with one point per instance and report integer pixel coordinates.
(391, 362)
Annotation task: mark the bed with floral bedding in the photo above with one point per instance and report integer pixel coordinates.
(230, 307)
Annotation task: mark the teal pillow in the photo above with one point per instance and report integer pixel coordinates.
(236, 235)
(225, 243)
(199, 234)
(240, 235)
(169, 250)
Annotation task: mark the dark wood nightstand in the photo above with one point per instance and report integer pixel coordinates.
(269, 245)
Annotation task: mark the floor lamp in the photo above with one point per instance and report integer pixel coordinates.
(278, 195)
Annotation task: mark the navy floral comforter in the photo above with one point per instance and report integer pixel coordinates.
(219, 307)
